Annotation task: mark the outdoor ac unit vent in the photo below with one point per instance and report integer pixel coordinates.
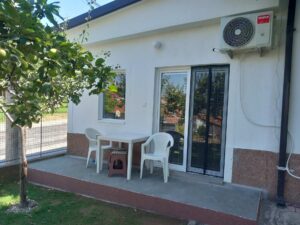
(249, 31)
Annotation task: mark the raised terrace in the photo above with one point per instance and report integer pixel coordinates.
(185, 196)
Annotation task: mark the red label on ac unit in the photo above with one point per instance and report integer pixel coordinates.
(263, 19)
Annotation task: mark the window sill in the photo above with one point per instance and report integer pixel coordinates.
(111, 121)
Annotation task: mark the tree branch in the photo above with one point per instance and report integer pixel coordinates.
(6, 113)
(11, 92)
(12, 72)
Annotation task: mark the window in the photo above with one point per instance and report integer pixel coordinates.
(112, 103)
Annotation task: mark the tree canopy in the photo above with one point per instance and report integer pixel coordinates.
(40, 69)
(39, 66)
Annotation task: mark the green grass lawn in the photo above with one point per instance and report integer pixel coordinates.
(62, 109)
(61, 208)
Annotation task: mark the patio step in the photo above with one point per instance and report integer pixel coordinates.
(205, 203)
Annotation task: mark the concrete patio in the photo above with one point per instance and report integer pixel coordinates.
(186, 196)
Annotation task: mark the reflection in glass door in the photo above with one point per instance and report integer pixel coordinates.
(208, 104)
(173, 94)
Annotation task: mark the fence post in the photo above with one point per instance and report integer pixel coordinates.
(41, 137)
(11, 137)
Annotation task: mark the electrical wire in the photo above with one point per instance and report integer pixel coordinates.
(279, 43)
(288, 170)
(250, 120)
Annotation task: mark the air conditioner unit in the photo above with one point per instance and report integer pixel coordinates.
(248, 31)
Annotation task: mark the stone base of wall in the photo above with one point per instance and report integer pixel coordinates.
(259, 169)
(78, 145)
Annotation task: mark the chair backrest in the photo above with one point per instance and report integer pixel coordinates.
(178, 137)
(161, 142)
(92, 134)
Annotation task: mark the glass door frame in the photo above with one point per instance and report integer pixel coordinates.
(224, 122)
(188, 116)
(156, 117)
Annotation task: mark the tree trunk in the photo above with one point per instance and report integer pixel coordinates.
(23, 168)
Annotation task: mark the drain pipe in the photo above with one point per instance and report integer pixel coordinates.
(285, 103)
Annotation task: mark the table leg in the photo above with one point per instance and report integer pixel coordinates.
(129, 160)
(101, 153)
(98, 160)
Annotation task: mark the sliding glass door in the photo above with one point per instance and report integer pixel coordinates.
(208, 107)
(192, 108)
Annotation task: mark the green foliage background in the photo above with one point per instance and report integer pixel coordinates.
(39, 67)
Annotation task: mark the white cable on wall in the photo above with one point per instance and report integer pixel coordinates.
(288, 170)
(279, 43)
(250, 120)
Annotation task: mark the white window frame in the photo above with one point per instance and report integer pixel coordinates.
(157, 95)
(101, 104)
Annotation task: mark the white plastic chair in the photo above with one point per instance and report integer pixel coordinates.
(157, 148)
(91, 134)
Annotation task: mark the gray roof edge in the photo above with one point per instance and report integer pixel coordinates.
(99, 12)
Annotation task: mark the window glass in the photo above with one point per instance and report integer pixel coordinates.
(113, 102)
(172, 111)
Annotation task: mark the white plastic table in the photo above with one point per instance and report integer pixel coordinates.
(129, 138)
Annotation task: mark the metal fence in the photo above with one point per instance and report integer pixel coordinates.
(46, 137)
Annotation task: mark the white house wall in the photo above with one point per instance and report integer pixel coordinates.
(155, 15)
(261, 87)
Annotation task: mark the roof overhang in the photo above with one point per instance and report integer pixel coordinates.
(99, 12)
